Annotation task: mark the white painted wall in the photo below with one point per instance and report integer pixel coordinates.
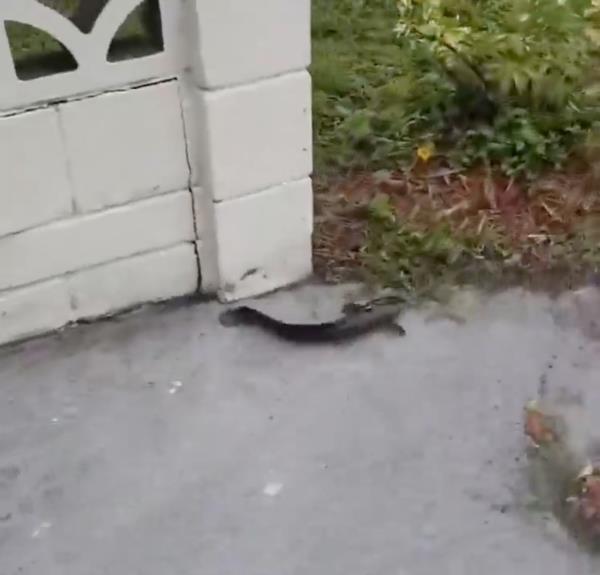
(123, 183)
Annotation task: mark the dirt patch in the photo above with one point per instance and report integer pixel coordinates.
(550, 224)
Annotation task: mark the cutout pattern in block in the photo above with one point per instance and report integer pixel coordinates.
(34, 50)
(76, 47)
(140, 35)
(83, 13)
(35, 53)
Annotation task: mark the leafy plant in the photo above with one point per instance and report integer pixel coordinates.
(533, 52)
(521, 74)
(402, 255)
(510, 82)
(522, 142)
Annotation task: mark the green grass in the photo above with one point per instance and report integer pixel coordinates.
(355, 60)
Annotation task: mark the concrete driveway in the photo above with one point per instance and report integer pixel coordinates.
(162, 444)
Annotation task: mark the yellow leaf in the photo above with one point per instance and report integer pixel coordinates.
(425, 151)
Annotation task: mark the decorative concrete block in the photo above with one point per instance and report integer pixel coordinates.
(33, 310)
(125, 146)
(264, 240)
(147, 278)
(89, 240)
(94, 73)
(256, 136)
(240, 42)
(34, 183)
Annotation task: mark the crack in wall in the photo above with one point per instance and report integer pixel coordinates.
(42, 105)
(190, 187)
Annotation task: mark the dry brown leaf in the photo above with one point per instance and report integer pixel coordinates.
(537, 426)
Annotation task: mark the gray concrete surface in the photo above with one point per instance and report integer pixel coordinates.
(389, 455)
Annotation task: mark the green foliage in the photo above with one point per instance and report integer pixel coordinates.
(531, 59)
(510, 82)
(370, 99)
(533, 51)
(522, 142)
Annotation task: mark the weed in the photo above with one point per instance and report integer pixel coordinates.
(403, 255)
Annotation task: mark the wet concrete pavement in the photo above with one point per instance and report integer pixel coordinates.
(163, 443)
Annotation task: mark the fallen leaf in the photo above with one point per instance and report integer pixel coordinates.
(426, 151)
(537, 426)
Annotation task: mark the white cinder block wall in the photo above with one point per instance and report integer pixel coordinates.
(184, 171)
